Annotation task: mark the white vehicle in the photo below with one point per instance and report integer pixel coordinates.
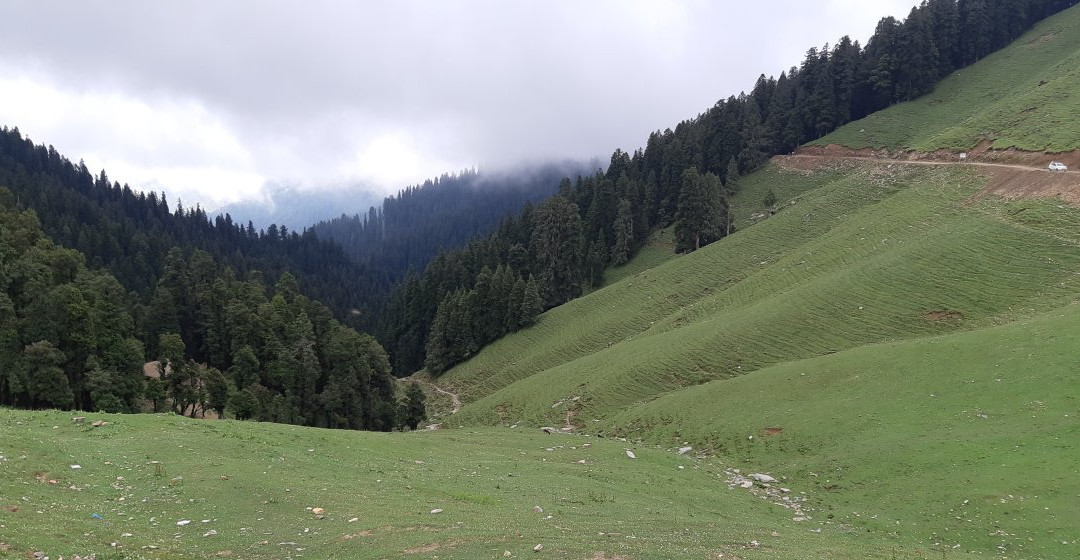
(1057, 166)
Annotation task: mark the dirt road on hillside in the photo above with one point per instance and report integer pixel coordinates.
(1011, 173)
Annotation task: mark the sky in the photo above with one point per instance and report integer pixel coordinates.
(214, 102)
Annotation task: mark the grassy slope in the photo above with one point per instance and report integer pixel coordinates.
(254, 482)
(969, 439)
(862, 258)
(1022, 96)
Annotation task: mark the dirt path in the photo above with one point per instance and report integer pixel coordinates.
(453, 398)
(1010, 173)
(933, 162)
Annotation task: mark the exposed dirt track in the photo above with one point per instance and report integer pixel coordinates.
(1010, 173)
(453, 398)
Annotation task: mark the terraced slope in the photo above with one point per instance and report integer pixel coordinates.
(965, 442)
(1023, 96)
(862, 253)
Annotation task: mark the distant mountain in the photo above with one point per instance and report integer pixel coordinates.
(410, 228)
(297, 208)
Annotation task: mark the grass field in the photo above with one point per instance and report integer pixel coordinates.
(968, 441)
(246, 489)
(1022, 96)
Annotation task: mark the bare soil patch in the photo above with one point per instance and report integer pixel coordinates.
(773, 430)
(1011, 173)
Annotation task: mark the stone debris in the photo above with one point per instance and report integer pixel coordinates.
(760, 485)
(354, 520)
(210, 533)
(630, 454)
(538, 548)
(79, 419)
(99, 423)
(318, 511)
(183, 522)
(538, 509)
(685, 450)
(436, 510)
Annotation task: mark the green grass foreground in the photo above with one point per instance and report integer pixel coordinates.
(247, 490)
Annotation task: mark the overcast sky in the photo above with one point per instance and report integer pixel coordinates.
(213, 100)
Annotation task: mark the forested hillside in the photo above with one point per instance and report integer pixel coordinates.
(410, 228)
(129, 233)
(686, 176)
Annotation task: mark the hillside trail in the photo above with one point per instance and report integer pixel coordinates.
(453, 398)
(1011, 173)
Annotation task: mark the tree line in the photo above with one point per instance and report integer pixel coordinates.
(686, 176)
(74, 338)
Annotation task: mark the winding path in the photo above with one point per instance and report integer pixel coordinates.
(453, 398)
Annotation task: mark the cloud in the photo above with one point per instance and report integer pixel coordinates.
(218, 98)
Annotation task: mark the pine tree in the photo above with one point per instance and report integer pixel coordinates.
(698, 218)
(531, 304)
(413, 409)
(43, 379)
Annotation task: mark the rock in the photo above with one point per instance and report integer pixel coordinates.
(507, 554)
(99, 423)
(538, 509)
(798, 518)
(210, 533)
(76, 466)
(436, 510)
(685, 450)
(762, 478)
(318, 511)
(630, 454)
(747, 484)
(183, 522)
(79, 419)
(538, 548)
(354, 520)
(581, 462)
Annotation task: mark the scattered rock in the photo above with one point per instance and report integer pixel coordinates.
(354, 520)
(507, 554)
(436, 510)
(538, 509)
(99, 423)
(747, 484)
(210, 533)
(79, 419)
(183, 522)
(538, 548)
(126, 535)
(581, 462)
(76, 466)
(685, 450)
(630, 454)
(799, 518)
(318, 511)
(762, 478)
